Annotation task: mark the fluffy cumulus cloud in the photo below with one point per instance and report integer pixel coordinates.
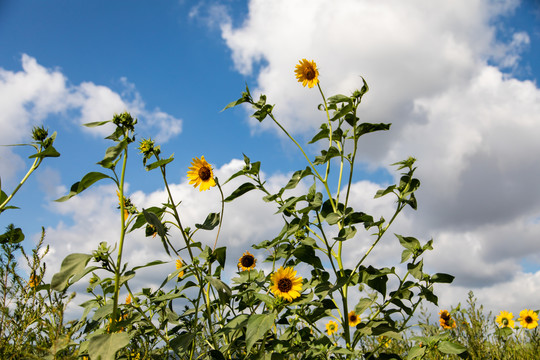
(442, 76)
(29, 96)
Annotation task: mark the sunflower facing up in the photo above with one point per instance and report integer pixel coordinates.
(446, 320)
(307, 73)
(354, 319)
(201, 174)
(528, 319)
(247, 261)
(286, 284)
(505, 319)
(331, 327)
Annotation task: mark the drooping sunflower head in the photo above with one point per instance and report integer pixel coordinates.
(128, 299)
(201, 174)
(354, 319)
(505, 319)
(446, 320)
(331, 327)
(528, 319)
(179, 265)
(307, 73)
(286, 284)
(247, 261)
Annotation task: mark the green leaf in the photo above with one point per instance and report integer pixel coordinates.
(216, 355)
(307, 254)
(448, 347)
(159, 163)
(13, 235)
(416, 269)
(366, 128)
(112, 154)
(224, 291)
(297, 176)
(151, 263)
(442, 278)
(323, 134)
(49, 151)
(87, 181)
(326, 155)
(97, 123)
(388, 190)
(257, 326)
(72, 265)
(409, 242)
(242, 189)
(339, 98)
(212, 220)
(333, 218)
(105, 346)
(363, 304)
(416, 352)
(220, 254)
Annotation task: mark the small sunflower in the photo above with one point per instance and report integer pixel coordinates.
(201, 174)
(354, 319)
(331, 327)
(127, 204)
(33, 281)
(179, 265)
(384, 340)
(307, 73)
(528, 319)
(128, 299)
(505, 319)
(446, 320)
(286, 284)
(247, 261)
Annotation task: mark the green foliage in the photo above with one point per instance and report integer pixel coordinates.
(275, 314)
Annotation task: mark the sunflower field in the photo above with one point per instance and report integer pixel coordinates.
(305, 303)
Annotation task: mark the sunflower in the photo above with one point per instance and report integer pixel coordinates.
(528, 319)
(331, 327)
(179, 265)
(127, 203)
(505, 319)
(446, 320)
(201, 173)
(247, 261)
(33, 281)
(128, 299)
(285, 284)
(307, 73)
(353, 319)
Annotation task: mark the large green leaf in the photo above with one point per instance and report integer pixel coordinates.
(257, 326)
(242, 189)
(13, 235)
(212, 220)
(448, 347)
(72, 265)
(87, 181)
(105, 346)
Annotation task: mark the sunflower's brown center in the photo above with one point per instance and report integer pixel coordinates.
(332, 327)
(284, 285)
(528, 319)
(205, 173)
(247, 261)
(352, 318)
(505, 322)
(310, 73)
(445, 316)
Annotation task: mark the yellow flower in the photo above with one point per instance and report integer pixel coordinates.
(126, 203)
(247, 261)
(201, 174)
(179, 265)
(33, 281)
(146, 146)
(128, 299)
(354, 319)
(331, 327)
(528, 319)
(446, 320)
(505, 319)
(384, 340)
(285, 284)
(307, 73)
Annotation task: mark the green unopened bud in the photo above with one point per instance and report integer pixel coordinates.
(124, 120)
(39, 133)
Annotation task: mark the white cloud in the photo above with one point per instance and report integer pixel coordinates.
(29, 96)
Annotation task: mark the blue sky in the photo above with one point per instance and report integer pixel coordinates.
(458, 80)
